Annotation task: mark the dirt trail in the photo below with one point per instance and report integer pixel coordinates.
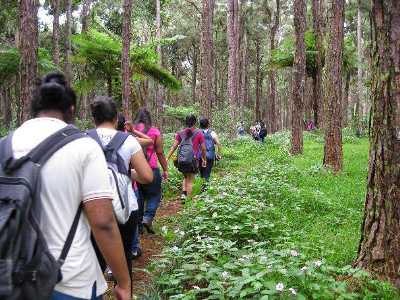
(151, 245)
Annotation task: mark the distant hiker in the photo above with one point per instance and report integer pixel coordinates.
(262, 132)
(125, 160)
(254, 132)
(150, 194)
(310, 126)
(74, 199)
(240, 130)
(213, 148)
(191, 142)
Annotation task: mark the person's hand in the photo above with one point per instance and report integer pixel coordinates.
(165, 175)
(218, 157)
(204, 163)
(121, 293)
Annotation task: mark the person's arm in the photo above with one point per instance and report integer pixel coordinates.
(219, 146)
(104, 227)
(173, 148)
(142, 172)
(143, 139)
(202, 142)
(159, 148)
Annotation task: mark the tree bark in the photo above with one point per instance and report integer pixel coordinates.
(379, 250)
(207, 63)
(194, 74)
(257, 111)
(232, 30)
(68, 47)
(125, 66)
(56, 32)
(28, 42)
(357, 115)
(159, 90)
(272, 73)
(85, 15)
(346, 99)
(318, 105)
(333, 152)
(299, 76)
(244, 76)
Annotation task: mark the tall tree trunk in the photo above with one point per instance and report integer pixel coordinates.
(207, 63)
(84, 98)
(159, 90)
(257, 111)
(299, 77)
(244, 76)
(357, 115)
(333, 152)
(85, 15)
(232, 30)
(194, 74)
(126, 43)
(68, 49)
(346, 99)
(28, 42)
(272, 73)
(56, 32)
(379, 250)
(318, 105)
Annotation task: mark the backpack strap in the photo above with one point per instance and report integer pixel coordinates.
(94, 135)
(117, 141)
(70, 237)
(41, 153)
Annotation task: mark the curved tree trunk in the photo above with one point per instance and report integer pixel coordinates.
(299, 76)
(56, 32)
(333, 152)
(28, 43)
(379, 250)
(126, 43)
(207, 63)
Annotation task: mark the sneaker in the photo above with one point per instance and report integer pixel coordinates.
(108, 274)
(183, 197)
(136, 254)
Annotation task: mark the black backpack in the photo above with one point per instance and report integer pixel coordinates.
(28, 270)
(186, 158)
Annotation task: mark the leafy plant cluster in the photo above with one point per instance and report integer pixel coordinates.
(248, 236)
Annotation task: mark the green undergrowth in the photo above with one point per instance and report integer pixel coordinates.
(270, 226)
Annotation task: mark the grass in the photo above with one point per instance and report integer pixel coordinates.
(271, 226)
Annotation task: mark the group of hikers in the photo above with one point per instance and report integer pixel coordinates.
(257, 131)
(73, 204)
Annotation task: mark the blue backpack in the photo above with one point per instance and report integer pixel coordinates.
(210, 145)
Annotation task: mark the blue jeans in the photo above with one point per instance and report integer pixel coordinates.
(150, 197)
(206, 172)
(60, 296)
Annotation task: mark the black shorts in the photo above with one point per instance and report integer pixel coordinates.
(192, 168)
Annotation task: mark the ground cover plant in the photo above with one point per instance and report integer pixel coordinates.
(271, 226)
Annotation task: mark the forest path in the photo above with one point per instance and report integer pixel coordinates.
(152, 246)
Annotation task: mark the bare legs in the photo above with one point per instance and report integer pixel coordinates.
(187, 185)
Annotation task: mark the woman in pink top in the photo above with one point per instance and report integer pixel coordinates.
(150, 194)
(198, 142)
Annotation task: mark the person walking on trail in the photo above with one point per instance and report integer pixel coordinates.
(74, 177)
(262, 132)
(150, 195)
(213, 148)
(104, 113)
(191, 142)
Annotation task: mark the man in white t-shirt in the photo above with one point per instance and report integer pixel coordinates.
(76, 173)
